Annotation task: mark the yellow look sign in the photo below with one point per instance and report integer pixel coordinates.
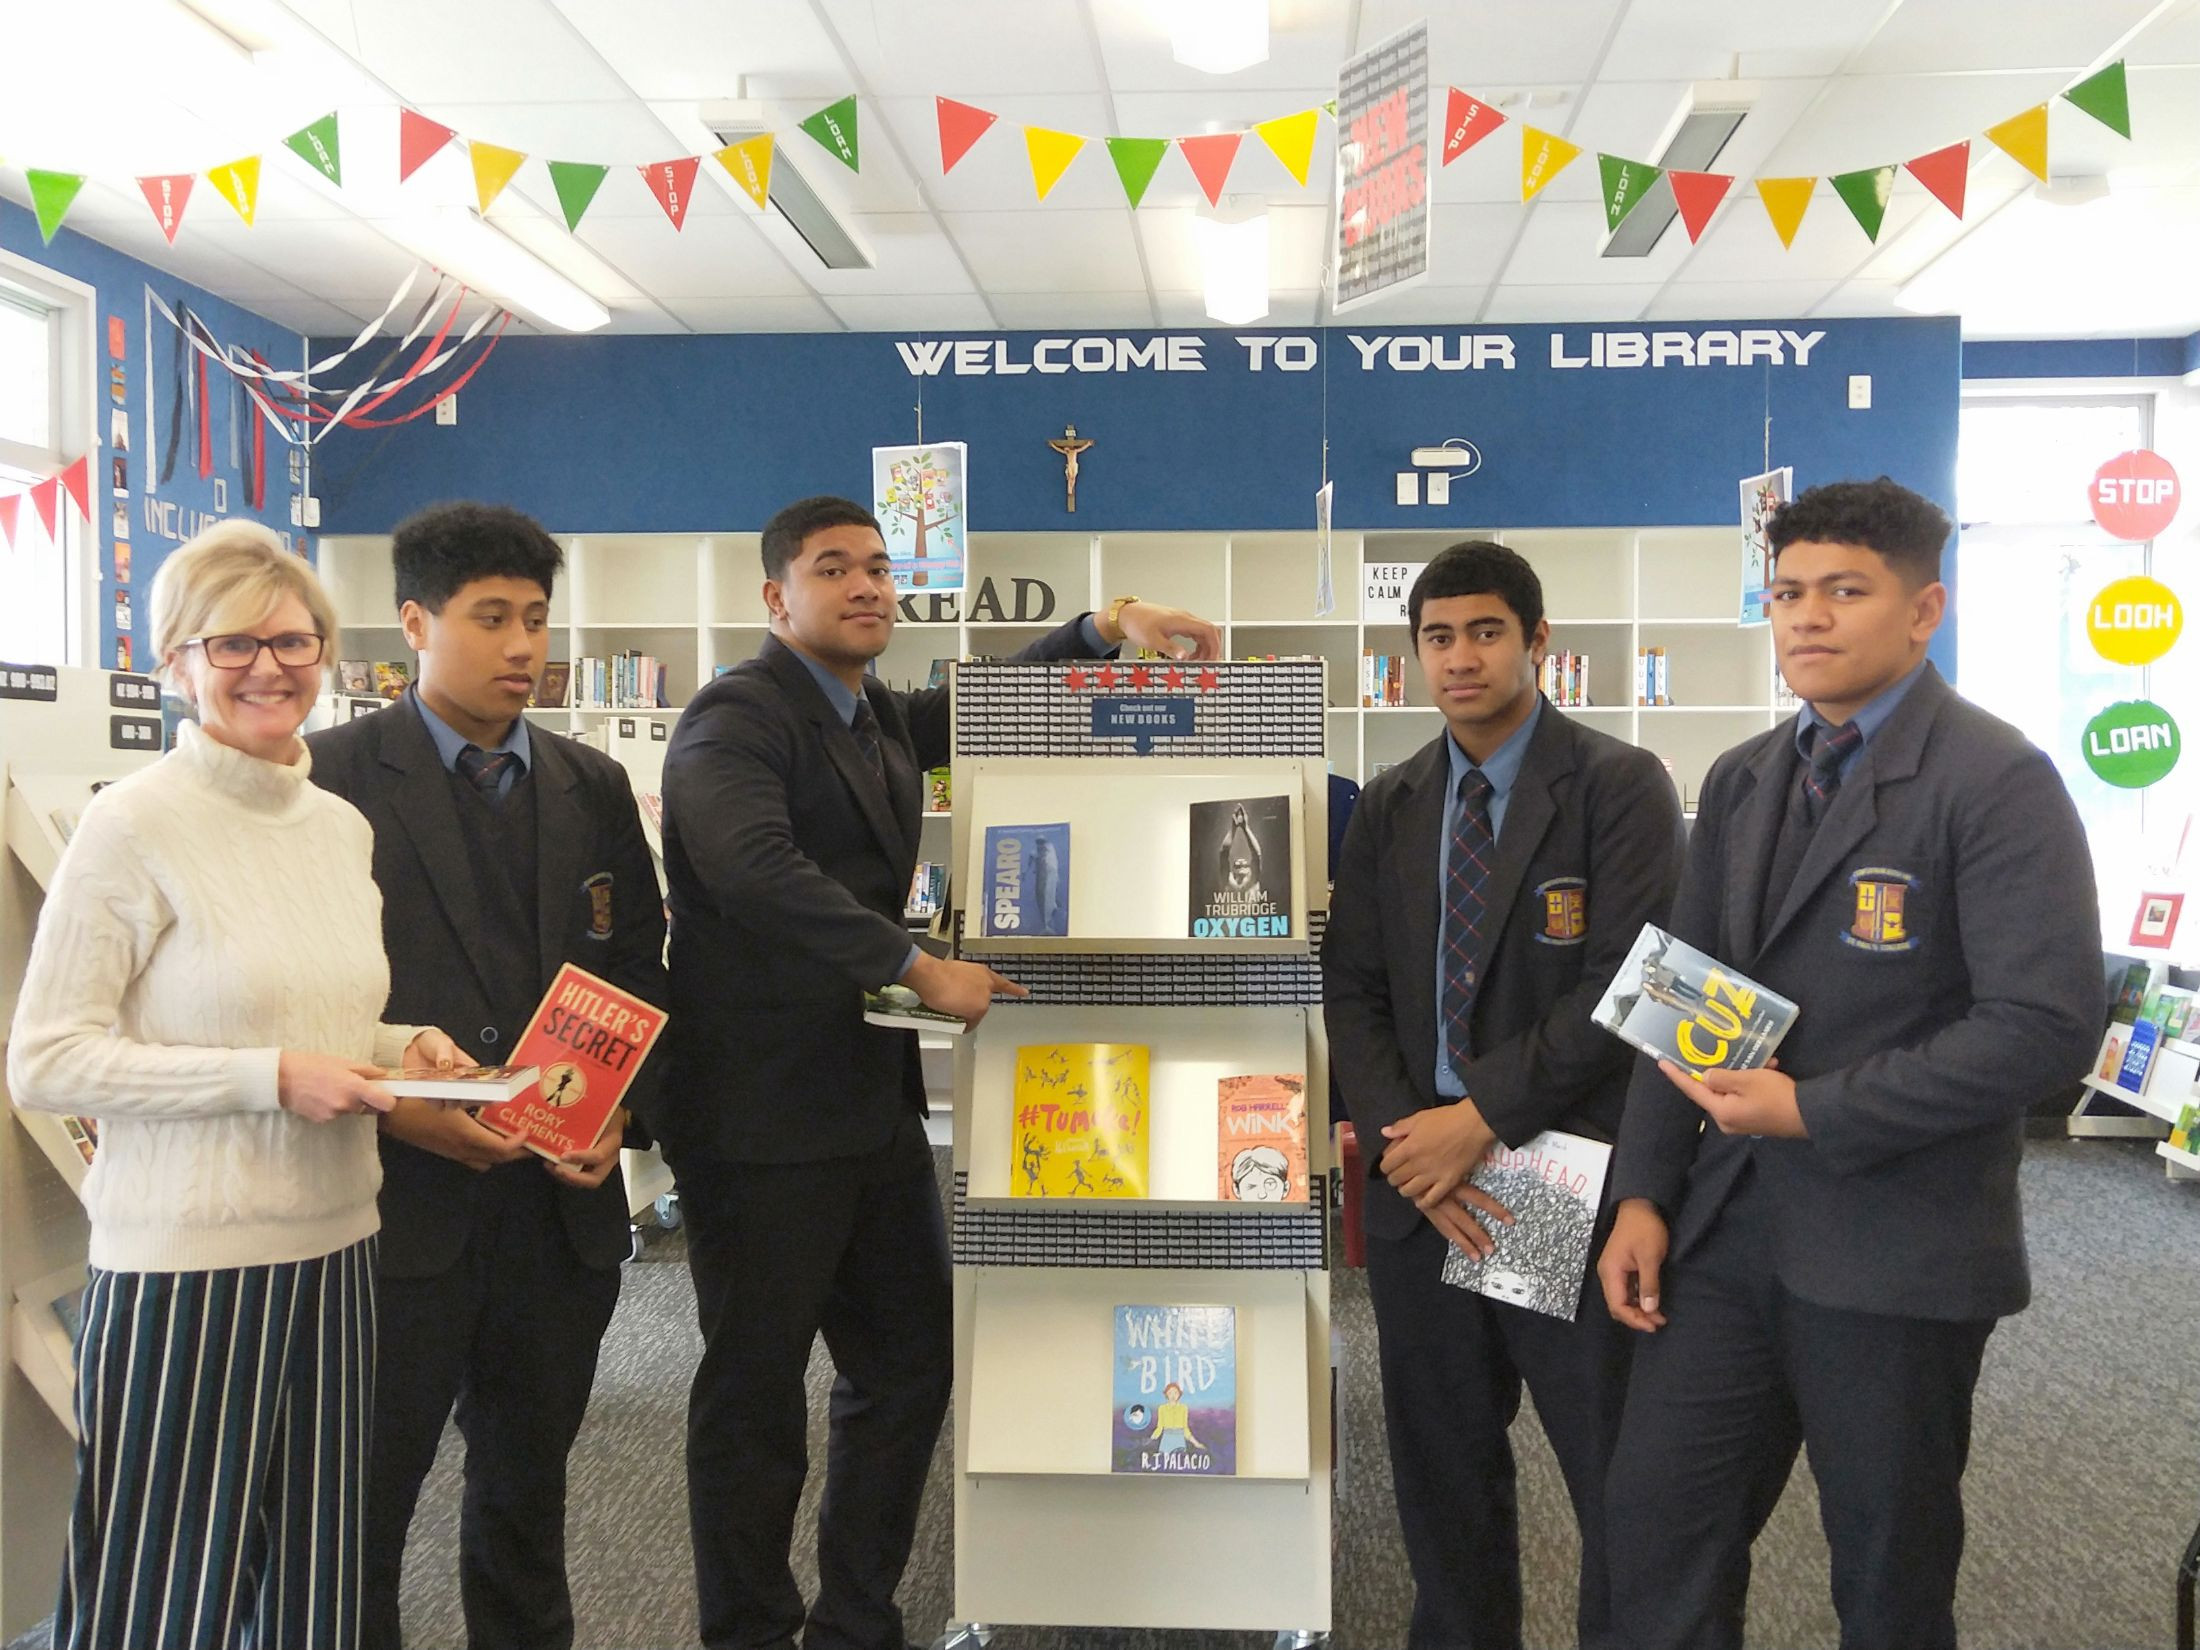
(2135, 621)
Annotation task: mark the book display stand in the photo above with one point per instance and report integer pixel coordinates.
(1050, 1528)
(62, 731)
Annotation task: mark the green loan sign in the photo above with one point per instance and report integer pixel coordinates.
(2132, 744)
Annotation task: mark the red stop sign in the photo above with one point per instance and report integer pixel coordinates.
(2135, 494)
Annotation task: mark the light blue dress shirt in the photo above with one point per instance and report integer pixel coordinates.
(1869, 721)
(449, 742)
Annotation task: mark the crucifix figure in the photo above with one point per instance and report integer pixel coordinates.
(1069, 446)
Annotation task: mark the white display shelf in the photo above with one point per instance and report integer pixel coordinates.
(2166, 1110)
(2178, 1158)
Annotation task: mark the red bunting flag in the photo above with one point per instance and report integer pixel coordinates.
(10, 508)
(419, 139)
(1211, 157)
(1944, 173)
(167, 196)
(1467, 121)
(43, 500)
(1698, 194)
(961, 125)
(77, 479)
(673, 183)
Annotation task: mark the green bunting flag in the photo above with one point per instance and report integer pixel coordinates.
(2104, 97)
(835, 127)
(1136, 161)
(576, 183)
(1865, 194)
(52, 194)
(1625, 183)
(316, 146)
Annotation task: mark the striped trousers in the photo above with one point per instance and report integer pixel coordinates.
(219, 1483)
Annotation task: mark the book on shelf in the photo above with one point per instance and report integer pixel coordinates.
(1260, 1138)
(65, 821)
(1175, 1391)
(1080, 1118)
(588, 1038)
(1553, 1186)
(2170, 1008)
(939, 791)
(1382, 679)
(1675, 1002)
(468, 1085)
(354, 676)
(83, 1134)
(1026, 890)
(927, 891)
(391, 678)
(2138, 1062)
(1653, 686)
(1564, 679)
(623, 681)
(898, 1008)
(2140, 981)
(937, 676)
(2184, 1136)
(2112, 1055)
(557, 681)
(652, 806)
(1241, 869)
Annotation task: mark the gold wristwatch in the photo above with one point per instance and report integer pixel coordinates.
(1115, 616)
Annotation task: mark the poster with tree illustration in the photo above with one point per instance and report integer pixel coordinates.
(919, 496)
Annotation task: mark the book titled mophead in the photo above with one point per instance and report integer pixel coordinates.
(1026, 887)
(1175, 1391)
(1673, 1001)
(1241, 869)
(1551, 1185)
(589, 1038)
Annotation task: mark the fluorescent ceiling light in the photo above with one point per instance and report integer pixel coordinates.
(793, 196)
(1709, 115)
(1233, 263)
(1219, 36)
(457, 240)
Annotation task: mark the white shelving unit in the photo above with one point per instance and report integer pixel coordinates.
(2172, 1084)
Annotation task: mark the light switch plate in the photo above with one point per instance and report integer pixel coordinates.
(1439, 487)
(1860, 391)
(1409, 486)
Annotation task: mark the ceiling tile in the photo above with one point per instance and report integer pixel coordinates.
(1929, 35)
(1421, 305)
(909, 312)
(1512, 305)
(1736, 300)
(1068, 252)
(1306, 42)
(749, 315)
(967, 49)
(1554, 40)
(1560, 242)
(1298, 239)
(434, 52)
(1285, 309)
(1736, 39)
(1084, 311)
(714, 47)
(711, 257)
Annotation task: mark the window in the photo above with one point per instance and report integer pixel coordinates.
(45, 417)
(27, 335)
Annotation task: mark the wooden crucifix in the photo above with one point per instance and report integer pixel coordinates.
(1069, 446)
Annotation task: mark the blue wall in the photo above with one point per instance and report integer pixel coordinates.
(2081, 357)
(158, 514)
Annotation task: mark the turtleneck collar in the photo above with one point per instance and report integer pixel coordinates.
(272, 787)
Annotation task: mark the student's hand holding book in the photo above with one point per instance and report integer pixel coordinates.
(451, 1131)
(590, 1169)
(1430, 1156)
(1755, 1102)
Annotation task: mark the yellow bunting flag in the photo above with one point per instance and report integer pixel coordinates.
(493, 169)
(239, 184)
(750, 163)
(1786, 200)
(1543, 155)
(1051, 153)
(1292, 139)
(2023, 138)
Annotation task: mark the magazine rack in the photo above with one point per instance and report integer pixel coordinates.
(98, 725)
(1045, 1532)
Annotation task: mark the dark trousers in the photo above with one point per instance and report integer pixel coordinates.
(1721, 1398)
(854, 1248)
(508, 1335)
(1453, 1365)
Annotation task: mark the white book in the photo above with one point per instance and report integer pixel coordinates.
(1553, 1186)
(468, 1085)
(900, 1009)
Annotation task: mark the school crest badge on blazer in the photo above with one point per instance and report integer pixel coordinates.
(598, 888)
(1881, 921)
(1565, 910)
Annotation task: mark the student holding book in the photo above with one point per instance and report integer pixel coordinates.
(503, 852)
(1816, 1253)
(1487, 890)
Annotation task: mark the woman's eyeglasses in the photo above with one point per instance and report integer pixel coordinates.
(237, 651)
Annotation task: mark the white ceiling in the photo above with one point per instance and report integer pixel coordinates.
(132, 86)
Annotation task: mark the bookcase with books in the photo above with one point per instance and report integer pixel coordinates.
(2149, 1061)
(1141, 1148)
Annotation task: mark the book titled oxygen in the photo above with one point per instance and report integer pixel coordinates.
(1552, 1185)
(1260, 1138)
(1026, 884)
(1674, 1002)
(589, 1038)
(1080, 1120)
(1241, 869)
(1175, 1390)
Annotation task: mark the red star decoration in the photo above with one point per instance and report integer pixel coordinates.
(1208, 681)
(1173, 680)
(1106, 678)
(1074, 681)
(1141, 677)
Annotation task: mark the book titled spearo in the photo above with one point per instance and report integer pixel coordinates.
(589, 1038)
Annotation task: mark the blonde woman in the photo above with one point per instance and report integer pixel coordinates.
(208, 980)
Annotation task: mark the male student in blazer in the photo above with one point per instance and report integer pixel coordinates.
(1487, 891)
(502, 852)
(1816, 1254)
(793, 790)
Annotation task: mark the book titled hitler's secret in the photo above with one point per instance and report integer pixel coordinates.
(589, 1038)
(1026, 886)
(1672, 1001)
(1552, 1185)
(1241, 869)
(1175, 1391)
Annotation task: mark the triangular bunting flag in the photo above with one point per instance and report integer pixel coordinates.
(834, 126)
(1211, 156)
(493, 169)
(44, 500)
(1050, 152)
(419, 139)
(52, 194)
(1467, 121)
(239, 184)
(10, 508)
(961, 125)
(750, 164)
(2023, 138)
(2104, 97)
(76, 481)
(1625, 183)
(1292, 139)
(576, 183)
(316, 146)
(673, 183)
(1786, 200)
(1698, 194)
(1944, 173)
(1136, 160)
(1543, 155)
(167, 197)
(1865, 194)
